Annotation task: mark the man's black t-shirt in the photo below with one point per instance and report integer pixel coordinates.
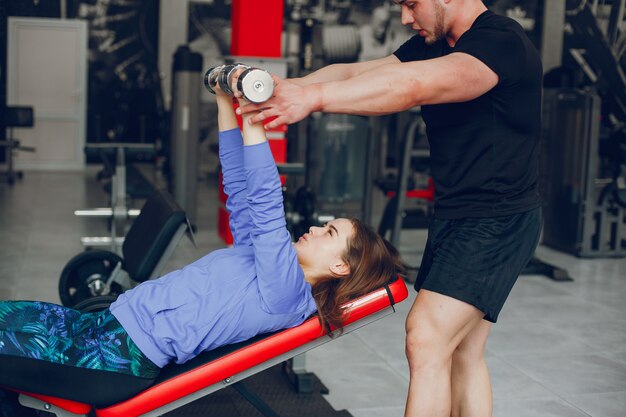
(484, 152)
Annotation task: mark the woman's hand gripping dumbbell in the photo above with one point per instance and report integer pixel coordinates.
(253, 84)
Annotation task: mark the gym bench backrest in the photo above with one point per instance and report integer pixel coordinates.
(153, 236)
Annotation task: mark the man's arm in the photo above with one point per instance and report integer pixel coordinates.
(387, 89)
(339, 72)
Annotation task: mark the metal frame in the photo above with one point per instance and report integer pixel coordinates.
(576, 222)
(36, 404)
(404, 172)
(119, 210)
(10, 145)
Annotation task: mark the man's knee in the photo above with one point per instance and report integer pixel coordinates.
(424, 346)
(471, 351)
(465, 356)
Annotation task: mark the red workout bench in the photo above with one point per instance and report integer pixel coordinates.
(178, 385)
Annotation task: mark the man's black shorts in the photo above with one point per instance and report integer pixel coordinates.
(477, 260)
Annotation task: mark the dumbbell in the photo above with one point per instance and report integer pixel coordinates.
(225, 77)
(210, 78)
(222, 75)
(255, 84)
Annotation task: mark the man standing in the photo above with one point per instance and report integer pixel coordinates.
(478, 79)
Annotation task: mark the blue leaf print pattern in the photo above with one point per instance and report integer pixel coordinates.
(61, 335)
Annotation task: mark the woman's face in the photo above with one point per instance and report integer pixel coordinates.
(325, 246)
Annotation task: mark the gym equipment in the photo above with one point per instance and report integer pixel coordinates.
(15, 116)
(178, 385)
(337, 163)
(585, 181)
(120, 210)
(210, 78)
(599, 59)
(225, 77)
(185, 130)
(581, 216)
(256, 85)
(395, 215)
(341, 43)
(87, 275)
(150, 242)
(301, 211)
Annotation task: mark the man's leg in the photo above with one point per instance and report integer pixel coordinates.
(435, 326)
(471, 387)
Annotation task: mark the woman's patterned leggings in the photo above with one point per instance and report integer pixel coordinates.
(60, 335)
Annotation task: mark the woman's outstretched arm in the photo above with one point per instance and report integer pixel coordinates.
(234, 178)
(282, 286)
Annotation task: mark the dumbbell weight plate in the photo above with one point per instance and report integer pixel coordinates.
(256, 85)
(95, 304)
(225, 77)
(210, 78)
(305, 203)
(222, 78)
(231, 74)
(87, 270)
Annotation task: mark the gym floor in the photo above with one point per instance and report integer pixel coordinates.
(559, 348)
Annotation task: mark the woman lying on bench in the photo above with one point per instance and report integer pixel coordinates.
(264, 283)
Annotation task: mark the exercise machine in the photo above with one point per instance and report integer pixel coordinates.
(120, 210)
(15, 116)
(93, 279)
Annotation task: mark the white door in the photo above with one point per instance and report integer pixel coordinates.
(47, 69)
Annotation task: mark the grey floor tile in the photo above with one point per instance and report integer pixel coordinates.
(7, 294)
(588, 274)
(509, 382)
(556, 310)
(532, 337)
(611, 298)
(400, 366)
(601, 336)
(536, 407)
(363, 386)
(573, 374)
(537, 286)
(347, 349)
(378, 412)
(610, 404)
(37, 294)
(13, 235)
(386, 337)
(9, 271)
(39, 273)
(12, 253)
(617, 356)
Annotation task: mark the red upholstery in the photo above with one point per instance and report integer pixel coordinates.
(237, 361)
(427, 194)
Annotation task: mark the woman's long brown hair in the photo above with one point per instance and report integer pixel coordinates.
(373, 263)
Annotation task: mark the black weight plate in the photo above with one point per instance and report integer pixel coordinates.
(305, 203)
(93, 264)
(94, 304)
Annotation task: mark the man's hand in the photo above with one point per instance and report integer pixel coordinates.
(290, 104)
